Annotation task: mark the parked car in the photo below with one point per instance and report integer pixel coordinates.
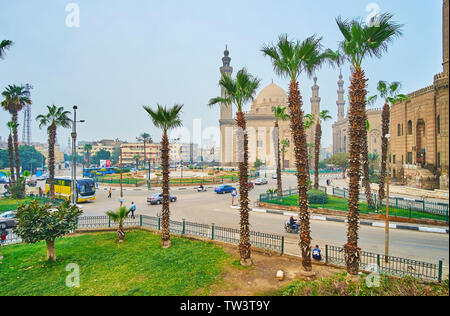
(221, 189)
(260, 181)
(157, 199)
(4, 180)
(274, 176)
(8, 220)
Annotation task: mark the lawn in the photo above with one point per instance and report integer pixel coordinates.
(7, 204)
(342, 284)
(341, 204)
(136, 267)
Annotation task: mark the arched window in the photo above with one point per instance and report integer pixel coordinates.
(410, 128)
(399, 131)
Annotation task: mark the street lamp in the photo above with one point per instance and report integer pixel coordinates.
(74, 154)
(388, 137)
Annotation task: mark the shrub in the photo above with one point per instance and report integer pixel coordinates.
(317, 197)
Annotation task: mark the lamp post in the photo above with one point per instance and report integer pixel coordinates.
(121, 188)
(74, 155)
(388, 137)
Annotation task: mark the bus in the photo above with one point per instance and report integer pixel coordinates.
(63, 189)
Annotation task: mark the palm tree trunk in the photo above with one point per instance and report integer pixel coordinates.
(16, 146)
(365, 159)
(51, 161)
(279, 183)
(244, 245)
(358, 94)
(12, 178)
(385, 117)
(165, 232)
(121, 233)
(51, 255)
(301, 161)
(317, 155)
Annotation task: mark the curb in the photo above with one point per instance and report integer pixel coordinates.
(365, 223)
(146, 190)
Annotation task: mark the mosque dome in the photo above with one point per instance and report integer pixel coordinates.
(270, 96)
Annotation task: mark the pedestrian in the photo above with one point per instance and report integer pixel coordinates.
(109, 193)
(133, 209)
(317, 254)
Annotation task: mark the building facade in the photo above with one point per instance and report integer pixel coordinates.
(260, 126)
(420, 128)
(341, 138)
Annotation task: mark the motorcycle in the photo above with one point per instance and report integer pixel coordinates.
(289, 229)
(201, 189)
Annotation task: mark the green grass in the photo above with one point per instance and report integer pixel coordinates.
(7, 204)
(342, 284)
(136, 267)
(341, 204)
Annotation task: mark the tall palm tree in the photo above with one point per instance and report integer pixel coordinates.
(165, 119)
(118, 217)
(145, 138)
(309, 122)
(389, 92)
(239, 91)
(16, 97)
(280, 115)
(4, 46)
(365, 162)
(290, 59)
(284, 146)
(11, 126)
(87, 150)
(137, 158)
(323, 116)
(56, 117)
(360, 41)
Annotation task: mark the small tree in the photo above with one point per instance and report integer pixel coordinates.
(43, 222)
(118, 217)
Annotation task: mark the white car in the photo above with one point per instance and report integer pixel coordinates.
(274, 176)
(260, 181)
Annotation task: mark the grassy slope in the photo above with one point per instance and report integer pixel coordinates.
(136, 267)
(345, 285)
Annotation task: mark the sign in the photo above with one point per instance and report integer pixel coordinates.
(105, 163)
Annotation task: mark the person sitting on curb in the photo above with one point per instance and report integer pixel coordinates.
(317, 254)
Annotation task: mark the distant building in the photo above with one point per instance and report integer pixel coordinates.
(43, 149)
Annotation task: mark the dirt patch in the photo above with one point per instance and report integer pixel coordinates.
(260, 278)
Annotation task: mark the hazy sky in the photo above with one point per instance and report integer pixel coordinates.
(126, 54)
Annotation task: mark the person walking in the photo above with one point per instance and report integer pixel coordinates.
(133, 209)
(109, 193)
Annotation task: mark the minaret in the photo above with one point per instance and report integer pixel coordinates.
(341, 102)
(315, 99)
(226, 111)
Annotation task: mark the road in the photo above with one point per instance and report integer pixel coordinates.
(209, 207)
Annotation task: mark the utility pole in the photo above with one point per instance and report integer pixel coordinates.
(74, 155)
(121, 189)
(388, 136)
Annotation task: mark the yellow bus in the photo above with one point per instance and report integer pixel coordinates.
(63, 189)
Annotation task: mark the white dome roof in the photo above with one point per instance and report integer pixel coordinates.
(271, 93)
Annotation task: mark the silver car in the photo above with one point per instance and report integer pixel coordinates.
(8, 220)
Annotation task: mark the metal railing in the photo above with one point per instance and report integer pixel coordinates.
(393, 266)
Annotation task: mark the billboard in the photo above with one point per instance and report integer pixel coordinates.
(105, 163)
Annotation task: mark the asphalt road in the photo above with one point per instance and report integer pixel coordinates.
(208, 207)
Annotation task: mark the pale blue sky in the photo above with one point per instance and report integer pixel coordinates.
(132, 53)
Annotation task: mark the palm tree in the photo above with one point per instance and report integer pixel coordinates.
(137, 158)
(280, 114)
(284, 146)
(290, 59)
(118, 217)
(390, 94)
(56, 117)
(323, 116)
(16, 97)
(239, 91)
(365, 162)
(146, 138)
(11, 126)
(87, 150)
(4, 46)
(360, 41)
(309, 122)
(166, 119)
